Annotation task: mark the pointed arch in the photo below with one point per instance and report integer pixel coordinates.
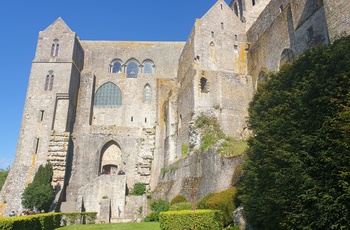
(148, 67)
(262, 77)
(116, 66)
(132, 68)
(287, 55)
(147, 93)
(108, 95)
(111, 158)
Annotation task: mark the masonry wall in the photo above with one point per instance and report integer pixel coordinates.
(286, 31)
(338, 18)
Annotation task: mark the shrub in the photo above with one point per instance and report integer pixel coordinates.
(181, 206)
(32, 222)
(201, 203)
(177, 199)
(224, 201)
(157, 206)
(39, 193)
(139, 189)
(186, 219)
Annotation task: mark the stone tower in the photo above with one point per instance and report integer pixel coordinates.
(49, 111)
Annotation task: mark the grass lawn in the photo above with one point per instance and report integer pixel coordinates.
(121, 226)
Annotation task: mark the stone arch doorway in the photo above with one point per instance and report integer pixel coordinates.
(111, 159)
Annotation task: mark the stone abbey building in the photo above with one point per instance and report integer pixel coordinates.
(110, 114)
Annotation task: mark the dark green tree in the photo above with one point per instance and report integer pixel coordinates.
(297, 175)
(3, 176)
(39, 193)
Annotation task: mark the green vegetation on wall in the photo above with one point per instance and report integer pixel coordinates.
(298, 169)
(3, 176)
(39, 193)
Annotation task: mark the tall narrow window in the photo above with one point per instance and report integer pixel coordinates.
(310, 33)
(147, 93)
(148, 67)
(212, 34)
(222, 25)
(108, 95)
(253, 2)
(41, 115)
(235, 49)
(49, 81)
(204, 85)
(287, 55)
(36, 145)
(54, 48)
(116, 66)
(132, 69)
(236, 37)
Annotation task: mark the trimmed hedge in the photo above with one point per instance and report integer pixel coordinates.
(178, 199)
(224, 201)
(186, 219)
(47, 221)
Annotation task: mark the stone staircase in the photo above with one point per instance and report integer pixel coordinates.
(57, 156)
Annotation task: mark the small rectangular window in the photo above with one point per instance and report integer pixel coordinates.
(36, 147)
(146, 119)
(253, 2)
(41, 115)
(235, 49)
(222, 25)
(132, 119)
(310, 33)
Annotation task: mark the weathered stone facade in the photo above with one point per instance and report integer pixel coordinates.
(110, 114)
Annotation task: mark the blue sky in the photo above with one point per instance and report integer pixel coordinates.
(128, 20)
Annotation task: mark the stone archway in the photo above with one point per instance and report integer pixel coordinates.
(111, 159)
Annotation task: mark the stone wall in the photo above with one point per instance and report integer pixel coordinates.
(338, 19)
(207, 171)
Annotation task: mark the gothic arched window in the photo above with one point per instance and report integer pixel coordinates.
(116, 66)
(204, 85)
(147, 93)
(54, 48)
(49, 81)
(262, 77)
(108, 95)
(148, 67)
(286, 56)
(132, 69)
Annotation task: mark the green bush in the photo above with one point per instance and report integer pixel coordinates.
(201, 204)
(33, 222)
(186, 219)
(181, 206)
(224, 201)
(157, 206)
(177, 199)
(39, 193)
(139, 189)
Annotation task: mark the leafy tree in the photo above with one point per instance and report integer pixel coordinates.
(298, 172)
(139, 189)
(39, 193)
(3, 176)
(157, 206)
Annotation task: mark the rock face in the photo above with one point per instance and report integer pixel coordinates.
(110, 114)
(197, 175)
